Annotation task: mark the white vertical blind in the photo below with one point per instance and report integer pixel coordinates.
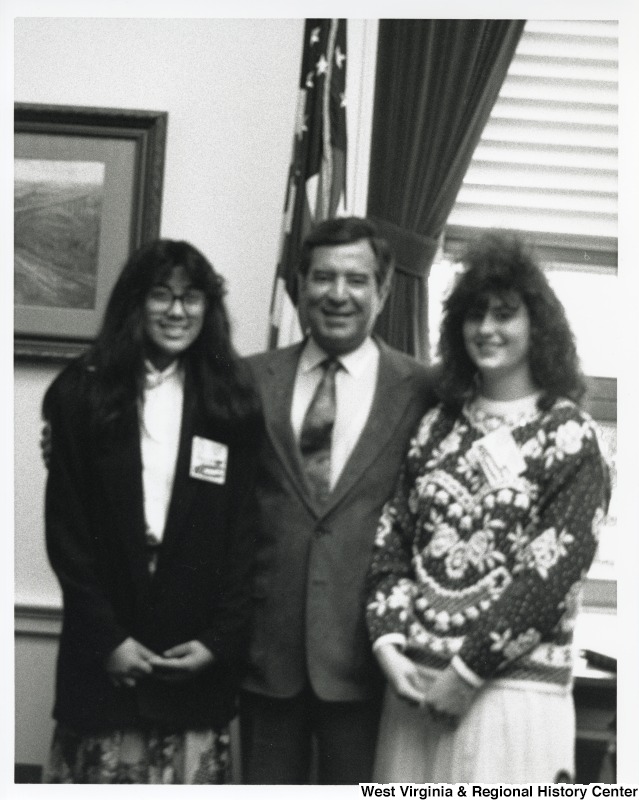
(547, 160)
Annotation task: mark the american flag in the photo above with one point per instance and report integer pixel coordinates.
(316, 188)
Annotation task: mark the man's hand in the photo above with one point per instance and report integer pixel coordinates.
(408, 680)
(182, 661)
(128, 662)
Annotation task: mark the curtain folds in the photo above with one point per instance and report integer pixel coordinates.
(436, 83)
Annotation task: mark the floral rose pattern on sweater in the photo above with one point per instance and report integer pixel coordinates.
(489, 575)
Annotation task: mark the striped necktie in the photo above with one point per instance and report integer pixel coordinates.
(317, 430)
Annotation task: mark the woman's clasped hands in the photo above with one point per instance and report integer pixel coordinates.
(444, 694)
(131, 661)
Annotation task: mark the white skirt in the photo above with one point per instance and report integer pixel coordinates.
(509, 735)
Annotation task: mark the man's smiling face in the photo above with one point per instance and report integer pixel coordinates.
(340, 295)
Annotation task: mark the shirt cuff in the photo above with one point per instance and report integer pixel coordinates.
(390, 638)
(465, 673)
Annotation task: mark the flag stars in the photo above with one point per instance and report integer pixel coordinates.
(340, 57)
(309, 80)
(342, 100)
(302, 127)
(322, 65)
(315, 36)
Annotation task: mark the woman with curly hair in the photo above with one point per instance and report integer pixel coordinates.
(480, 554)
(154, 433)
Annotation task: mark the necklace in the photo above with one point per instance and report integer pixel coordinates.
(488, 415)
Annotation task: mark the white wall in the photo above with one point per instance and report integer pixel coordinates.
(35, 583)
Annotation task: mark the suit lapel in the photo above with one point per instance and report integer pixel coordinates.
(277, 395)
(389, 404)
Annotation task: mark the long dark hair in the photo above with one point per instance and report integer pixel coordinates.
(116, 359)
(500, 263)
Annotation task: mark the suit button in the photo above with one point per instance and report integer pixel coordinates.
(320, 531)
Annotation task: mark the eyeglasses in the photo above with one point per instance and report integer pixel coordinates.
(161, 299)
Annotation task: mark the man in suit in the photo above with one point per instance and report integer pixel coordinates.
(311, 673)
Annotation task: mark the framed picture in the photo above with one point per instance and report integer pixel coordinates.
(87, 192)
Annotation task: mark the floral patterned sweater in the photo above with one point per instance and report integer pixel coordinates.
(486, 573)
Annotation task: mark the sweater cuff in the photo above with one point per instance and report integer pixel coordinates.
(390, 638)
(465, 673)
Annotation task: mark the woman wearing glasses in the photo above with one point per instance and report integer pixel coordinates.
(153, 439)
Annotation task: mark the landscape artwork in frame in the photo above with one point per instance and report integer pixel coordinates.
(87, 191)
(57, 212)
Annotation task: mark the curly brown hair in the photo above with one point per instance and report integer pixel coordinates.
(500, 262)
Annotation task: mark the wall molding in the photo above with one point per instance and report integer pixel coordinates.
(31, 619)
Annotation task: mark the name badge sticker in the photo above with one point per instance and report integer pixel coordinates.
(498, 456)
(208, 460)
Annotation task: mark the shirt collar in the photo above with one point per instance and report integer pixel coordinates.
(154, 377)
(354, 362)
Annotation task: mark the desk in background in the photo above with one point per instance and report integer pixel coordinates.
(595, 695)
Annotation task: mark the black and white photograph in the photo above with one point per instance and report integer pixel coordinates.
(318, 329)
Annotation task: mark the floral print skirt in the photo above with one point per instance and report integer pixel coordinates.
(136, 756)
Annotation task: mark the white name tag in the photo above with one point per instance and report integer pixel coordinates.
(498, 456)
(208, 460)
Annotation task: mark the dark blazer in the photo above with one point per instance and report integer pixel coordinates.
(311, 560)
(95, 533)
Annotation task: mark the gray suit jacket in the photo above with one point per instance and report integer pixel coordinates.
(311, 560)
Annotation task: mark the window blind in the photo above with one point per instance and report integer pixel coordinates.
(547, 160)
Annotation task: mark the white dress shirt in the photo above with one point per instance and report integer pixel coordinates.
(354, 391)
(160, 421)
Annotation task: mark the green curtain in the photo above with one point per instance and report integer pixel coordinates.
(436, 83)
